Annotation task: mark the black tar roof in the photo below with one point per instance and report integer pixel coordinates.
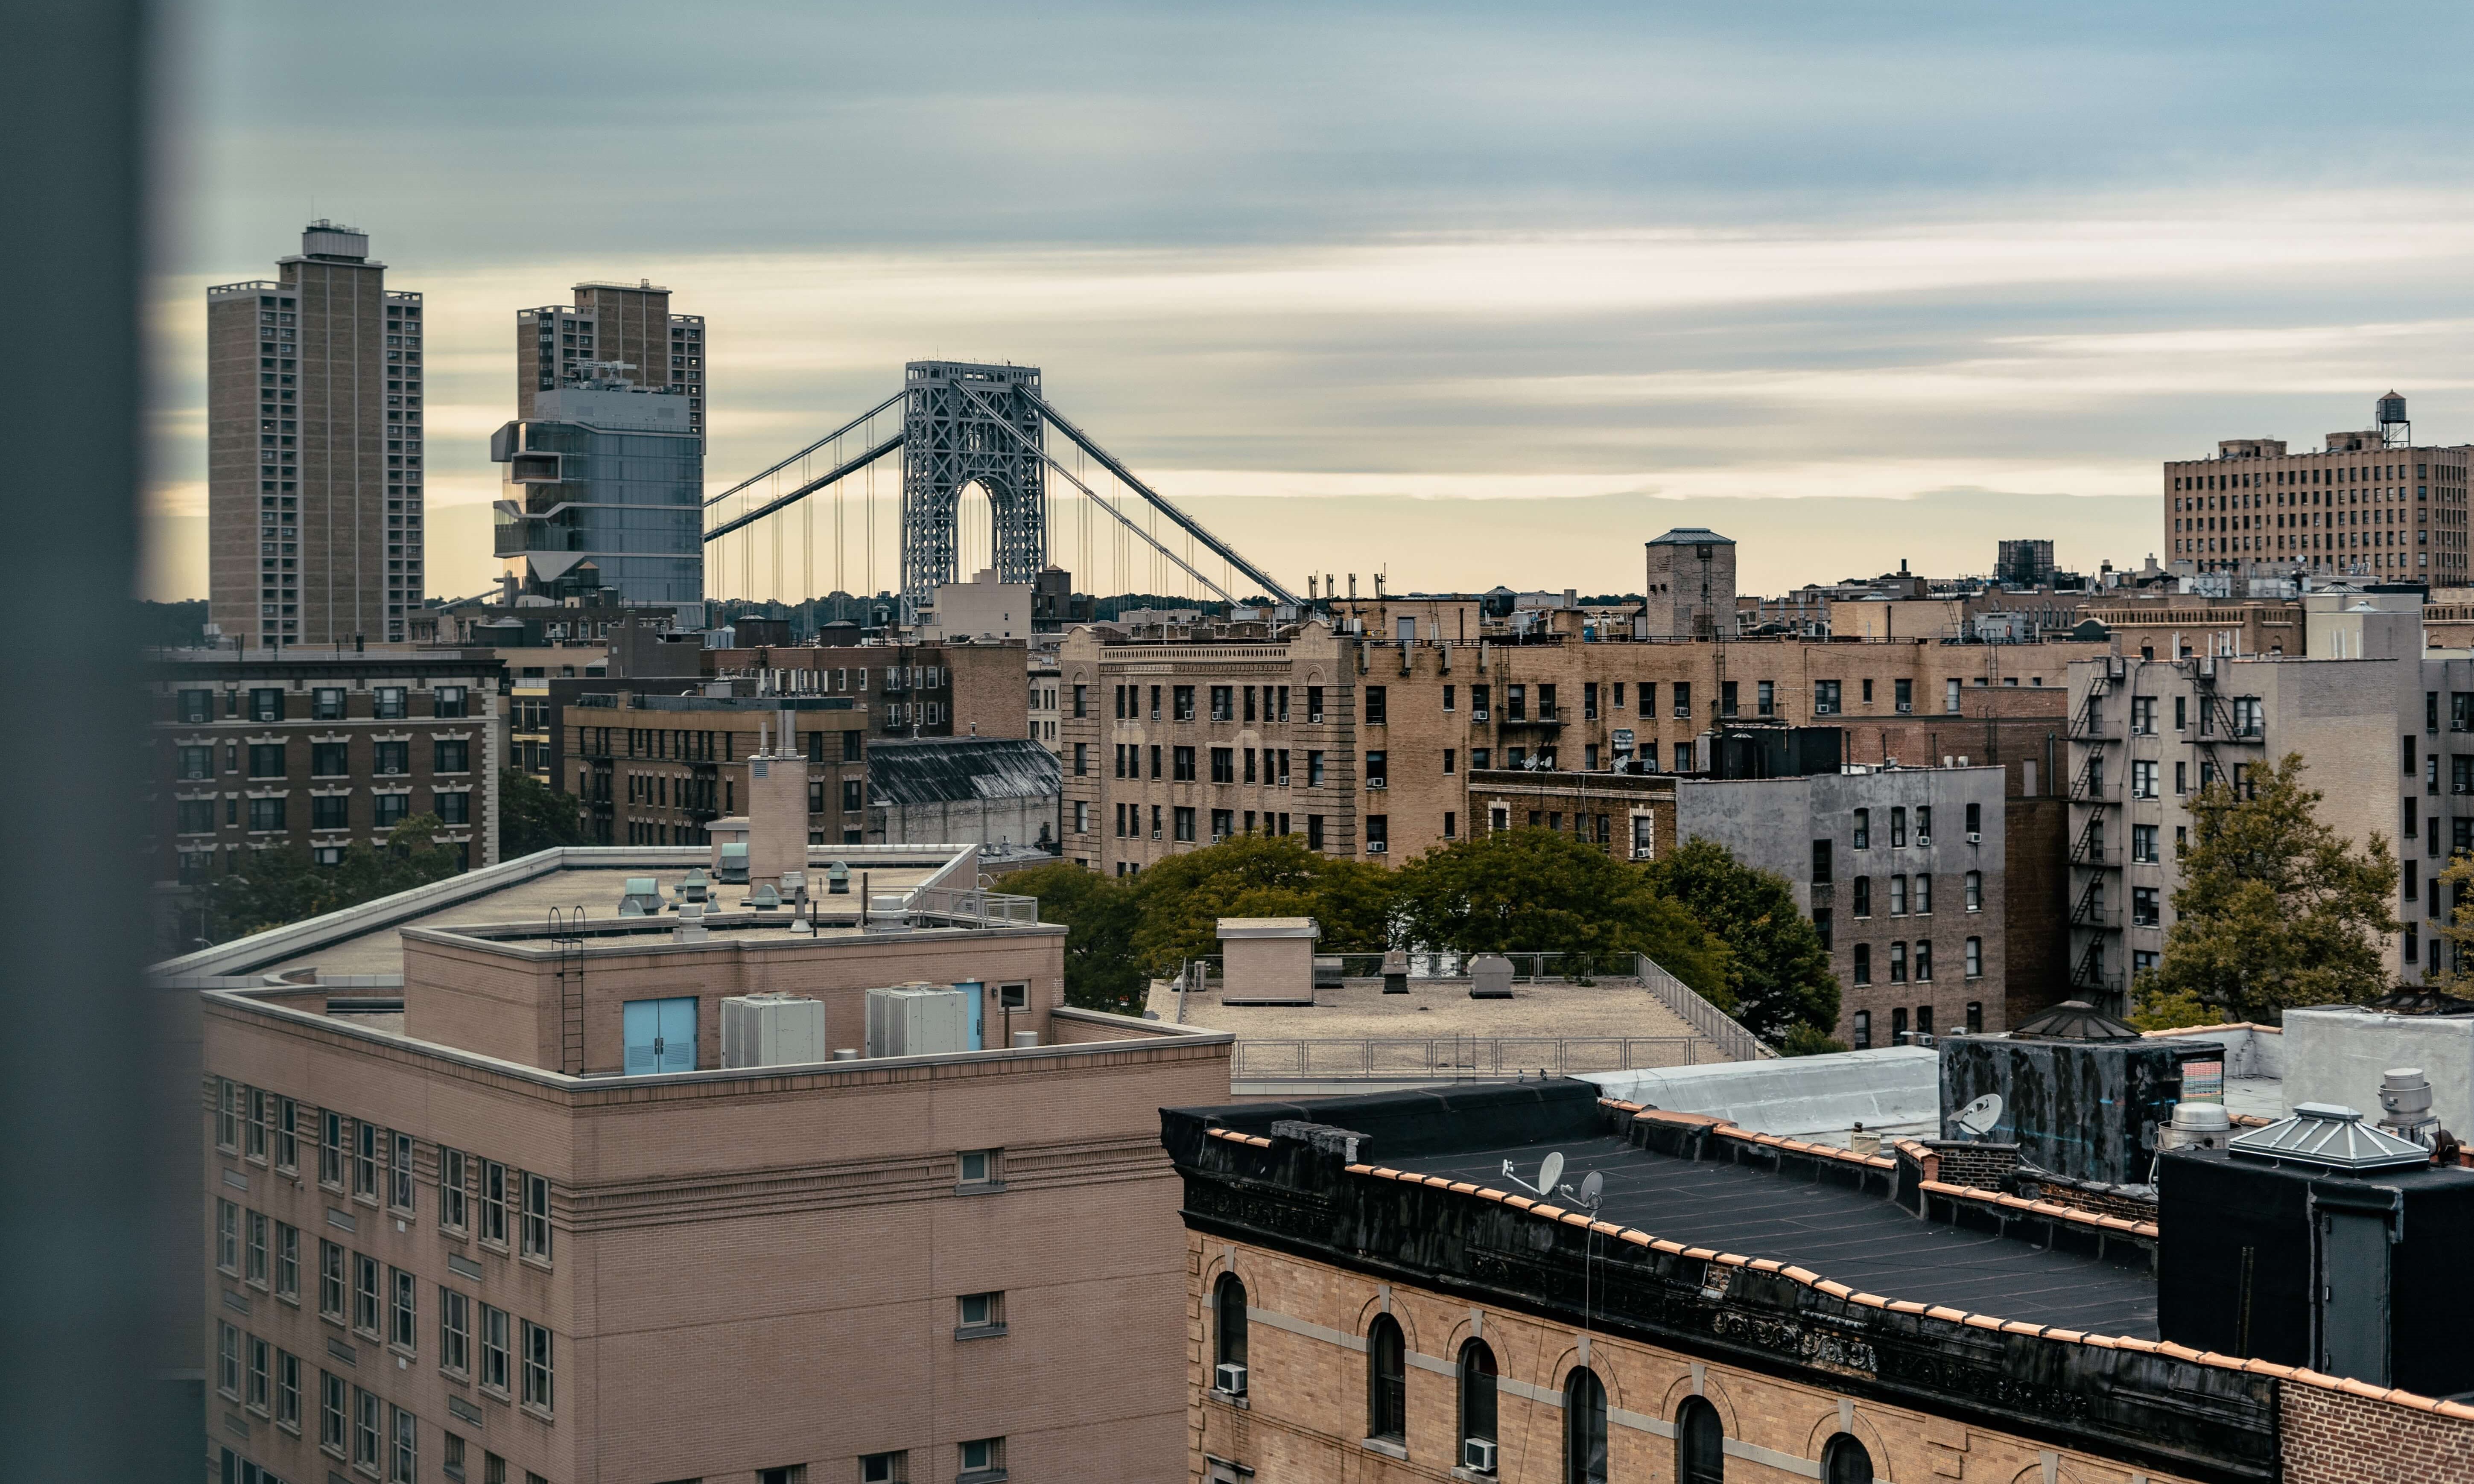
(1870, 1244)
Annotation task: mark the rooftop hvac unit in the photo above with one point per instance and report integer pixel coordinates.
(772, 1030)
(918, 1019)
(732, 868)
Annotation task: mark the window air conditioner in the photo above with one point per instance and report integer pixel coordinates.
(1377, 848)
(1230, 1379)
(1975, 837)
(1907, 707)
(1480, 714)
(1477, 1454)
(1377, 784)
(1923, 839)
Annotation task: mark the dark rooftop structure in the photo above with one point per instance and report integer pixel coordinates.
(956, 770)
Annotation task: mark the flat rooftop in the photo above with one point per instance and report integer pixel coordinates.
(1859, 1240)
(1358, 1009)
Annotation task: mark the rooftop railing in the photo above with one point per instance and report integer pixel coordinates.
(972, 907)
(1462, 1058)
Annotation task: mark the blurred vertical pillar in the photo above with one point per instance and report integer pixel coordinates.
(90, 1141)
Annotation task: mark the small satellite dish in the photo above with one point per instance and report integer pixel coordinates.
(1549, 1171)
(1593, 1189)
(1977, 1118)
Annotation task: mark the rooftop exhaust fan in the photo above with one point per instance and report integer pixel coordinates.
(644, 897)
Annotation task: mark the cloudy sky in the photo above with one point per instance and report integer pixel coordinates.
(1471, 293)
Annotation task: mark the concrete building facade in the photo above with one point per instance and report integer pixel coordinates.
(612, 326)
(314, 449)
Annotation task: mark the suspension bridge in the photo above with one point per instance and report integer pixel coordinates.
(989, 476)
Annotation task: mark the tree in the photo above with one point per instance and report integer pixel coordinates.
(2275, 909)
(276, 887)
(1777, 968)
(532, 816)
(1099, 915)
(1184, 897)
(2453, 972)
(1524, 891)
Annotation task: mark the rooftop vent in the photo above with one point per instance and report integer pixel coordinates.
(2073, 1020)
(2333, 1137)
(644, 897)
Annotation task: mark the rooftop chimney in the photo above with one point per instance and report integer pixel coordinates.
(777, 804)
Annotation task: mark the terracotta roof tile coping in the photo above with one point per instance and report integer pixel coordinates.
(2044, 1209)
(1235, 1138)
(2392, 1394)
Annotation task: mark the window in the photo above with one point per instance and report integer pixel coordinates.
(1313, 770)
(266, 706)
(451, 755)
(197, 705)
(331, 1413)
(1976, 959)
(2143, 779)
(1898, 827)
(788, 1474)
(1477, 1375)
(1223, 764)
(1378, 708)
(1585, 1428)
(1863, 829)
(1682, 690)
(403, 1458)
(266, 814)
(402, 1305)
(1974, 819)
(448, 701)
(493, 1349)
(1224, 703)
(387, 703)
(982, 1455)
(494, 1202)
(365, 1160)
(1971, 890)
(1922, 895)
(330, 811)
(1898, 896)
(2143, 844)
(1378, 769)
(1183, 761)
(2142, 716)
(1765, 697)
(365, 1294)
(1700, 1444)
(885, 1469)
(2144, 907)
(261, 1376)
(227, 1236)
(1378, 834)
(287, 1261)
(1825, 698)
(330, 1281)
(980, 1311)
(977, 1168)
(399, 1173)
(287, 1391)
(1183, 700)
(455, 1330)
(1228, 1334)
(1898, 963)
(365, 1430)
(1821, 850)
(391, 758)
(538, 1371)
(537, 1216)
(1863, 963)
(1863, 907)
(258, 1248)
(1387, 1382)
(1821, 925)
(1863, 1023)
(227, 1361)
(1924, 961)
(1844, 1461)
(194, 816)
(1184, 820)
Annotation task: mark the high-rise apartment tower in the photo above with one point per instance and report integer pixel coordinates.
(612, 330)
(314, 477)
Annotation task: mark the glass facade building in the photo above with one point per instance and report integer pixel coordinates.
(604, 488)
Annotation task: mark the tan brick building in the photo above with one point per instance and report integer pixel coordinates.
(655, 769)
(466, 1218)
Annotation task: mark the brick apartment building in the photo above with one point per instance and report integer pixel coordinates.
(1374, 1291)
(318, 750)
(2369, 503)
(1359, 730)
(522, 1217)
(651, 768)
(940, 689)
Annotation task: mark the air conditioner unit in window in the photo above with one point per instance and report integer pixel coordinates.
(1923, 839)
(1974, 838)
(1377, 784)
(1377, 848)
(1477, 1454)
(1480, 714)
(1229, 1377)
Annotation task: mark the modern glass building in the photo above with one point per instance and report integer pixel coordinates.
(604, 488)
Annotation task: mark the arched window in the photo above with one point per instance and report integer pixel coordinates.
(1229, 1335)
(1477, 1398)
(1700, 1444)
(1844, 1461)
(1387, 1382)
(1585, 1428)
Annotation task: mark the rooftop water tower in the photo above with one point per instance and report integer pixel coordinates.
(2394, 430)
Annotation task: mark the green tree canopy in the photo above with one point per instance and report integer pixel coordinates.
(1539, 891)
(532, 816)
(275, 887)
(2275, 909)
(1777, 968)
(1098, 914)
(1184, 897)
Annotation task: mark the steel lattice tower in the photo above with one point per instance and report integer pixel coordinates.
(955, 429)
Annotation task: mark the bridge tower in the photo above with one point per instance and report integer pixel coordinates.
(965, 424)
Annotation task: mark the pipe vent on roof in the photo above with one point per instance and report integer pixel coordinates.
(2333, 1137)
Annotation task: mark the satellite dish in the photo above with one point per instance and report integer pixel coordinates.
(1549, 1171)
(1977, 1118)
(1593, 1189)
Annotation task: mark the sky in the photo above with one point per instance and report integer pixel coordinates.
(1463, 293)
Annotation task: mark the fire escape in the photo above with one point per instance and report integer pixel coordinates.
(2095, 972)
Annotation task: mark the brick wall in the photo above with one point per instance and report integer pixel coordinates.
(1976, 1166)
(2335, 1437)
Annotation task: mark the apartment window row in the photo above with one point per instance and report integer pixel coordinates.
(194, 762)
(258, 1250)
(510, 1358)
(1227, 702)
(196, 704)
(259, 1376)
(1266, 767)
(1912, 895)
(1905, 962)
(1861, 1022)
